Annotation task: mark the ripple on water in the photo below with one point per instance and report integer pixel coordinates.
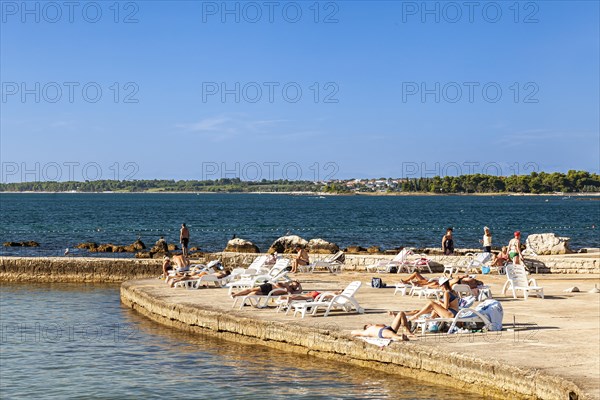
(106, 351)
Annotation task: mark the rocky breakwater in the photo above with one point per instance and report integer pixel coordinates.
(93, 247)
(29, 243)
(76, 269)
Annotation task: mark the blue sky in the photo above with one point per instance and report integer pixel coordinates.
(387, 89)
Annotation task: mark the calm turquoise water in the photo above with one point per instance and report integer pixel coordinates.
(58, 221)
(72, 341)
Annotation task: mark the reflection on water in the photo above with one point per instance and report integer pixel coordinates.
(78, 341)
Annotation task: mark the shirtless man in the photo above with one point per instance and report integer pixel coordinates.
(184, 239)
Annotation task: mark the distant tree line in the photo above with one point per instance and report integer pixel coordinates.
(232, 185)
(542, 182)
(573, 181)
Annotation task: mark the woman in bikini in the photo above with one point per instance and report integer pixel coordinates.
(447, 308)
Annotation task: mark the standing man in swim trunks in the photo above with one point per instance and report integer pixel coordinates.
(184, 239)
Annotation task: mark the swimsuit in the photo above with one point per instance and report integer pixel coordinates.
(266, 288)
(452, 298)
(389, 328)
(449, 246)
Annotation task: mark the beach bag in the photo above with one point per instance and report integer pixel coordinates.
(485, 270)
(377, 283)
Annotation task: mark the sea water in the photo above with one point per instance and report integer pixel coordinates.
(76, 341)
(62, 220)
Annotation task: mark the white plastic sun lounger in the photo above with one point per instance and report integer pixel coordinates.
(399, 261)
(331, 263)
(276, 274)
(475, 263)
(331, 301)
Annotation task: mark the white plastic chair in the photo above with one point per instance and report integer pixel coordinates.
(516, 279)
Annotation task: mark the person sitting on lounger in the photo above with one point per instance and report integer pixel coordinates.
(447, 308)
(299, 259)
(181, 262)
(166, 267)
(281, 288)
(386, 331)
(501, 258)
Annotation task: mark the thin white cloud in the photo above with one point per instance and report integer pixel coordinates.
(222, 127)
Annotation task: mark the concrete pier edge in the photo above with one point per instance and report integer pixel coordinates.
(407, 359)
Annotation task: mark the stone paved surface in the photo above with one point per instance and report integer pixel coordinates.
(559, 335)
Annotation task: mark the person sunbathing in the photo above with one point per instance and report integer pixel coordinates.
(166, 267)
(300, 259)
(196, 274)
(307, 296)
(181, 262)
(279, 288)
(446, 308)
(419, 280)
(387, 331)
(501, 259)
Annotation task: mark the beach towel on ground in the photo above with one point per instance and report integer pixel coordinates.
(492, 309)
(376, 341)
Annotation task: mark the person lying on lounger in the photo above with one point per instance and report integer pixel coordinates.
(280, 288)
(197, 274)
(419, 280)
(307, 296)
(387, 331)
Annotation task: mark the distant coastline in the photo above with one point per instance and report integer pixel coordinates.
(556, 183)
(373, 194)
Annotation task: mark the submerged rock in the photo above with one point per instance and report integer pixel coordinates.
(374, 250)
(87, 246)
(354, 249)
(138, 245)
(29, 243)
(239, 245)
